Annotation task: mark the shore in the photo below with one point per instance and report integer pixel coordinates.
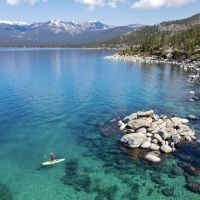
(193, 67)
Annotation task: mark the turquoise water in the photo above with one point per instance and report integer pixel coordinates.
(63, 100)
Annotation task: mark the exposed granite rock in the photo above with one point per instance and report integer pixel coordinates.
(158, 137)
(154, 147)
(134, 140)
(193, 117)
(166, 149)
(139, 123)
(146, 145)
(153, 156)
(147, 130)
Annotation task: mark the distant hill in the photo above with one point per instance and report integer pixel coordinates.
(138, 35)
(57, 33)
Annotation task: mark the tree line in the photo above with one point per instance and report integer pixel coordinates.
(183, 44)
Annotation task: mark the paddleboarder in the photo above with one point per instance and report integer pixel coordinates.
(52, 155)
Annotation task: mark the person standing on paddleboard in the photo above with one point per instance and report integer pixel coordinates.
(52, 155)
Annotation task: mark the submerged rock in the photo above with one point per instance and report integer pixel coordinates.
(195, 98)
(168, 192)
(177, 171)
(157, 179)
(192, 171)
(5, 193)
(193, 187)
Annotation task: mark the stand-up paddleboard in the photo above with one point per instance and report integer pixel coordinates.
(53, 162)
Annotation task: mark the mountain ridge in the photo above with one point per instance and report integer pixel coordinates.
(135, 37)
(58, 33)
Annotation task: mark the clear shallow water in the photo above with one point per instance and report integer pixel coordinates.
(62, 100)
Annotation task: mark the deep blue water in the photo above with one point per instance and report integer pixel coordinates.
(62, 100)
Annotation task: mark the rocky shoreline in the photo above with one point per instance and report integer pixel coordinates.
(193, 67)
(158, 134)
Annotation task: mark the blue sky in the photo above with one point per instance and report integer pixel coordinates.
(115, 12)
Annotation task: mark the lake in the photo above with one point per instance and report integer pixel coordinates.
(65, 100)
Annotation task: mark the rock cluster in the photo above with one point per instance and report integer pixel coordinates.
(147, 130)
(187, 65)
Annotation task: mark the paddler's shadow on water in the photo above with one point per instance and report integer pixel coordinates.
(49, 167)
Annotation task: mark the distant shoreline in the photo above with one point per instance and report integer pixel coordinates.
(187, 65)
(95, 48)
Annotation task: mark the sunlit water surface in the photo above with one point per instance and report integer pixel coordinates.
(62, 100)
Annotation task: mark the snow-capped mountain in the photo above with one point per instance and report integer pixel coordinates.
(57, 33)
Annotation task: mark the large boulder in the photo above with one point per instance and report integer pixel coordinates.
(159, 122)
(134, 140)
(120, 123)
(122, 127)
(188, 133)
(176, 121)
(139, 123)
(183, 128)
(143, 130)
(166, 149)
(184, 121)
(169, 123)
(155, 141)
(155, 117)
(156, 130)
(154, 147)
(132, 116)
(164, 134)
(154, 125)
(162, 125)
(176, 138)
(153, 156)
(149, 134)
(146, 145)
(192, 92)
(145, 114)
(158, 137)
(188, 138)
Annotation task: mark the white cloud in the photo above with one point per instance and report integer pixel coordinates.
(113, 3)
(139, 4)
(100, 3)
(92, 3)
(148, 4)
(17, 2)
